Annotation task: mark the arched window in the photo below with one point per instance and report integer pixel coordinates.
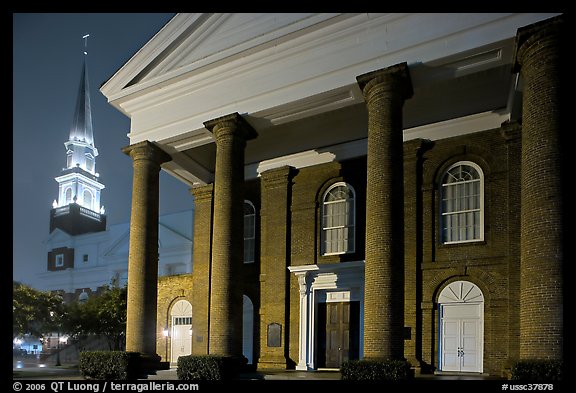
(462, 203)
(87, 196)
(89, 162)
(68, 196)
(249, 232)
(338, 220)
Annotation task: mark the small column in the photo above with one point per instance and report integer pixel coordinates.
(385, 91)
(303, 331)
(538, 59)
(201, 277)
(143, 253)
(231, 133)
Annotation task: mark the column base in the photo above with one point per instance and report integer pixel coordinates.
(272, 363)
(148, 364)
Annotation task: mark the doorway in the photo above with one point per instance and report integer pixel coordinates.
(338, 333)
(461, 343)
(181, 336)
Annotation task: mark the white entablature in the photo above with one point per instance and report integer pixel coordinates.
(278, 69)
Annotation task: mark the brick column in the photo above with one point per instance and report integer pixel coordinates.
(538, 60)
(385, 91)
(273, 264)
(201, 277)
(143, 252)
(231, 133)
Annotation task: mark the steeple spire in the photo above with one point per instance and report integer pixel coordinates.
(78, 209)
(81, 129)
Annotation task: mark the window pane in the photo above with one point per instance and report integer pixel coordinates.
(460, 204)
(338, 220)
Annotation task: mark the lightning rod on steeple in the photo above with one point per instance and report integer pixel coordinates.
(85, 38)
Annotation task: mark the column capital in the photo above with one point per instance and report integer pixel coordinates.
(395, 78)
(147, 150)
(232, 124)
(511, 131)
(276, 176)
(203, 193)
(537, 34)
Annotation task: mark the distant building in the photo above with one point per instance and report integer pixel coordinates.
(365, 186)
(79, 265)
(85, 255)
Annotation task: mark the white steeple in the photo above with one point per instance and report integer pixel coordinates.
(79, 180)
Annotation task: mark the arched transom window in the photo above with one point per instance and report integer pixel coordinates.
(462, 203)
(338, 220)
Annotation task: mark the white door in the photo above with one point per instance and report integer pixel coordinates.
(181, 332)
(461, 343)
(181, 338)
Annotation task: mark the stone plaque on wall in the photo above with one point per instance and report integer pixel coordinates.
(274, 335)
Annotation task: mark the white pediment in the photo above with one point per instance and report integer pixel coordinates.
(119, 244)
(58, 236)
(218, 36)
(175, 230)
(192, 42)
(171, 238)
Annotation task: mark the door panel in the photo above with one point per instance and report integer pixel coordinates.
(470, 336)
(450, 344)
(181, 341)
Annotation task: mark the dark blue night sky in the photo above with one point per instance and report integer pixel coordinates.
(47, 61)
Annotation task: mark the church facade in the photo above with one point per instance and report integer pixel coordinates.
(365, 186)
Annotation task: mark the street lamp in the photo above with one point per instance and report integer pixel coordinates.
(57, 342)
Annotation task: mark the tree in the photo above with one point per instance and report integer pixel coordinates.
(101, 315)
(34, 312)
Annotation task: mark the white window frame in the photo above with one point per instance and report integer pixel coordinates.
(59, 260)
(480, 209)
(350, 226)
(250, 238)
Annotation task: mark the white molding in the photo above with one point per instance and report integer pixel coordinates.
(321, 57)
(459, 126)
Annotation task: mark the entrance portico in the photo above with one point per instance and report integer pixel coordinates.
(320, 284)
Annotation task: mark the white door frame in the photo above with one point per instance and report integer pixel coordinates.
(461, 309)
(322, 283)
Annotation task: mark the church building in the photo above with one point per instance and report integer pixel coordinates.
(365, 186)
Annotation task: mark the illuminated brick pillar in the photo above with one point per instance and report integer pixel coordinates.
(385, 91)
(201, 277)
(275, 186)
(231, 133)
(537, 59)
(143, 252)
